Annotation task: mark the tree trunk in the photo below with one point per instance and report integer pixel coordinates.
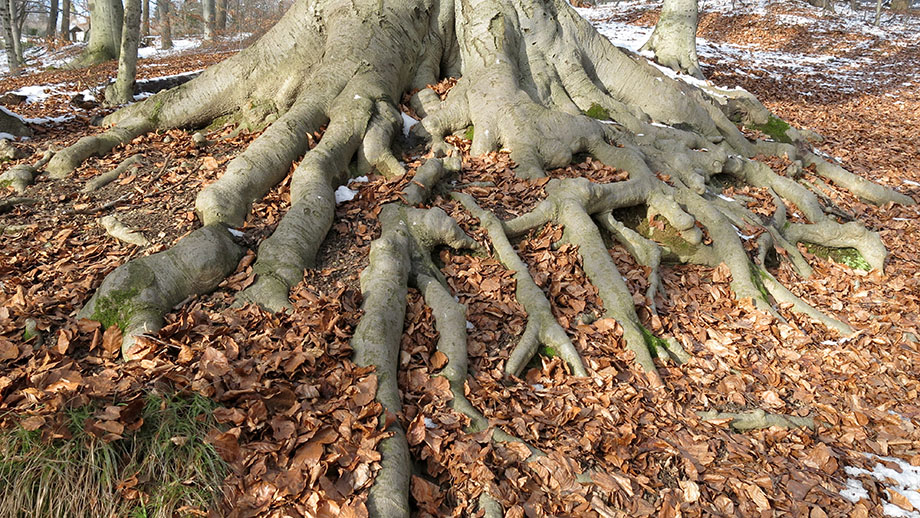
(65, 20)
(107, 18)
(163, 18)
(674, 39)
(51, 28)
(6, 20)
(145, 28)
(878, 12)
(207, 15)
(121, 92)
(17, 19)
(533, 78)
(220, 22)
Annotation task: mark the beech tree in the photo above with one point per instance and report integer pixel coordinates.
(122, 90)
(106, 19)
(674, 39)
(529, 73)
(7, 24)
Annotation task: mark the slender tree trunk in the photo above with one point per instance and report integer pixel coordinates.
(6, 20)
(220, 22)
(65, 20)
(674, 38)
(145, 28)
(121, 92)
(17, 20)
(207, 13)
(51, 28)
(163, 8)
(878, 12)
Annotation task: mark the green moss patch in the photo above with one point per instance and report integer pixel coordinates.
(656, 346)
(115, 309)
(775, 128)
(598, 112)
(848, 256)
(470, 133)
(163, 468)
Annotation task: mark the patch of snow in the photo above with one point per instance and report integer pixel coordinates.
(358, 179)
(829, 342)
(235, 232)
(900, 219)
(429, 423)
(7, 136)
(726, 198)
(906, 482)
(911, 182)
(408, 123)
(538, 386)
(179, 46)
(343, 194)
(470, 326)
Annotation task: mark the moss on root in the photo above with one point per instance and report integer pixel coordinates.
(848, 256)
(669, 237)
(470, 133)
(598, 112)
(116, 308)
(775, 128)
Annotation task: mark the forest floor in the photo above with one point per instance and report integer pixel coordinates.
(297, 428)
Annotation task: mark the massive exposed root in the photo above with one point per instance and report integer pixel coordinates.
(530, 72)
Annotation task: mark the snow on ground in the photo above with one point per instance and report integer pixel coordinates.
(832, 70)
(895, 477)
(179, 46)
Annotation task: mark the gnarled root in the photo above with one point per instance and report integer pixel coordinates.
(758, 419)
(137, 294)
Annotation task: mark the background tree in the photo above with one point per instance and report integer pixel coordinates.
(207, 15)
(342, 67)
(9, 45)
(106, 20)
(122, 90)
(145, 27)
(674, 39)
(163, 19)
(65, 20)
(51, 28)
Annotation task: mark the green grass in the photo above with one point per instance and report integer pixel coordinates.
(470, 133)
(848, 256)
(175, 469)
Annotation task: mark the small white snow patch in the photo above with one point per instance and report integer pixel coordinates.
(469, 325)
(900, 219)
(429, 423)
(855, 491)
(408, 123)
(343, 194)
(911, 182)
(906, 482)
(7, 136)
(726, 198)
(358, 179)
(537, 386)
(357, 96)
(829, 342)
(235, 232)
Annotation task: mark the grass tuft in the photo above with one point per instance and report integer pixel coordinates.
(164, 469)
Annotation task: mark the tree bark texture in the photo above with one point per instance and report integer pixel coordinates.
(122, 91)
(107, 19)
(51, 27)
(163, 18)
(674, 39)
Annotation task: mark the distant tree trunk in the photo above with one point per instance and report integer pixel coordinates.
(106, 20)
(17, 18)
(878, 12)
(145, 28)
(6, 20)
(65, 20)
(121, 92)
(163, 9)
(51, 28)
(674, 38)
(207, 12)
(900, 5)
(220, 22)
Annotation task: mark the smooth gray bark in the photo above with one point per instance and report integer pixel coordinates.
(6, 20)
(145, 27)
(207, 15)
(51, 27)
(674, 39)
(163, 18)
(220, 20)
(65, 20)
(122, 90)
(106, 20)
